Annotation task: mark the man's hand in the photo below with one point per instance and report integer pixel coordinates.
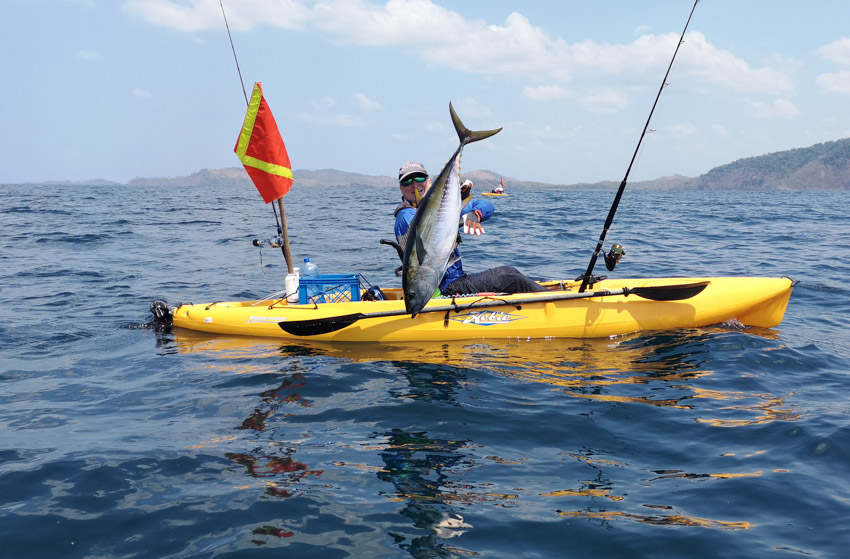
(472, 223)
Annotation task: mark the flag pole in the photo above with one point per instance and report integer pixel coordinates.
(287, 255)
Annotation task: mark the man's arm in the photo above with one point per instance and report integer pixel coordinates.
(486, 208)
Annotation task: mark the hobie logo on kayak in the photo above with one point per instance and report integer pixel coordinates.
(265, 319)
(486, 318)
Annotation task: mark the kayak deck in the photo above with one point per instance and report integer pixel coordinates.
(757, 302)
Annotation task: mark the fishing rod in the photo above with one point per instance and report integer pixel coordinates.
(616, 250)
(282, 237)
(233, 48)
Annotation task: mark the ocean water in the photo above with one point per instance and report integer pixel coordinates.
(120, 441)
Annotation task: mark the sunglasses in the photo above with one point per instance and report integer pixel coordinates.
(408, 182)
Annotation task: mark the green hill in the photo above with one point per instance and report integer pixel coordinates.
(819, 167)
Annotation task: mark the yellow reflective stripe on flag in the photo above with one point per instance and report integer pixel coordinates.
(270, 168)
(248, 125)
(245, 138)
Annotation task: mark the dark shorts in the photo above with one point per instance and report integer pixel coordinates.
(504, 279)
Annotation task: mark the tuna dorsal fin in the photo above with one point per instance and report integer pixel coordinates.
(466, 135)
(420, 250)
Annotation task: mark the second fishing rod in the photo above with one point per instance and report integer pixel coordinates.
(617, 251)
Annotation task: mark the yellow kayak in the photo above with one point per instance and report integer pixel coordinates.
(494, 193)
(610, 307)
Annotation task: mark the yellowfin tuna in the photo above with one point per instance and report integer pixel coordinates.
(433, 230)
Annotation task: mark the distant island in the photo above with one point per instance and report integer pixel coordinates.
(823, 166)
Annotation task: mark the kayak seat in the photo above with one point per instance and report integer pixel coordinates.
(396, 246)
(398, 249)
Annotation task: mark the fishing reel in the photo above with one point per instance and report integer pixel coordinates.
(274, 242)
(613, 256)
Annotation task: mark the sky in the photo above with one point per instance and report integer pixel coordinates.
(118, 89)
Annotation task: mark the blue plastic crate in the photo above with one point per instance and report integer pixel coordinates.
(333, 288)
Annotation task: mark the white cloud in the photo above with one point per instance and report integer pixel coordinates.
(709, 65)
(607, 101)
(515, 47)
(364, 23)
(837, 51)
(140, 93)
(366, 104)
(545, 92)
(780, 108)
(839, 82)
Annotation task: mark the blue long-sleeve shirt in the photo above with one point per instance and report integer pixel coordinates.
(404, 216)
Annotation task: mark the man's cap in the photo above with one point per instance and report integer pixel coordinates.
(467, 182)
(411, 168)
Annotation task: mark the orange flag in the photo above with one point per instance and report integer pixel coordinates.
(261, 150)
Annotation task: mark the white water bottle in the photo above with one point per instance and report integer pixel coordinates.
(310, 272)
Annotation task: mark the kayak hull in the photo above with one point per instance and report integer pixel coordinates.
(755, 302)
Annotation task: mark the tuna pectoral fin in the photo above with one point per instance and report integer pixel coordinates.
(420, 250)
(466, 135)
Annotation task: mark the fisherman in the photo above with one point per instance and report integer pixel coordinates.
(414, 182)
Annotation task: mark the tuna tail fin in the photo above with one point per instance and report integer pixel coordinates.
(466, 135)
